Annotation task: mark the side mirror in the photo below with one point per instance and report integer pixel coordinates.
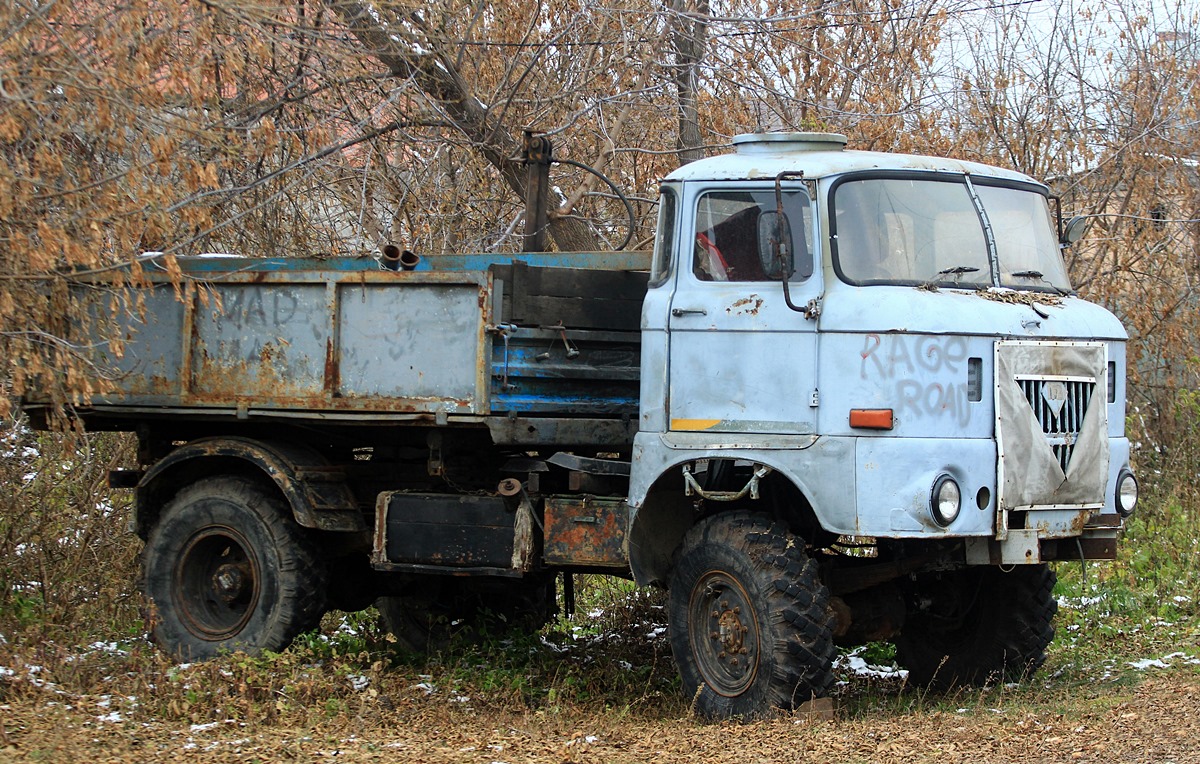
(1074, 230)
(775, 245)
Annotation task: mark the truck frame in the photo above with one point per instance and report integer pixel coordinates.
(849, 397)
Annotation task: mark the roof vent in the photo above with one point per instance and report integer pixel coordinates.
(776, 143)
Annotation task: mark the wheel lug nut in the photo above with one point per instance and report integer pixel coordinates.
(737, 611)
(715, 635)
(716, 614)
(733, 661)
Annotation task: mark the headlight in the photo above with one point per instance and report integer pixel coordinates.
(1127, 493)
(945, 501)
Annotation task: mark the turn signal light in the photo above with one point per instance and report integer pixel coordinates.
(872, 419)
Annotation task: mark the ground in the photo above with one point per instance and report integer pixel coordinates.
(1153, 719)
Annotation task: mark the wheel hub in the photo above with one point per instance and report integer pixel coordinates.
(216, 583)
(723, 611)
(731, 633)
(229, 582)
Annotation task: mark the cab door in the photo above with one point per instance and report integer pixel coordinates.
(741, 360)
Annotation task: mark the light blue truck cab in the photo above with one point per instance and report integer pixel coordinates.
(887, 409)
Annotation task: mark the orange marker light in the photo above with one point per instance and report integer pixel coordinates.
(872, 419)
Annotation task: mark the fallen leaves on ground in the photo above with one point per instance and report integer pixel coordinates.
(1156, 721)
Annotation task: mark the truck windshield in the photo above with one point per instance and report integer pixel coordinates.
(930, 231)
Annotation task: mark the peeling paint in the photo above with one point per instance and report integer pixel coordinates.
(746, 306)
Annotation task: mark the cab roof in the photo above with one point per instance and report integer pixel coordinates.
(762, 156)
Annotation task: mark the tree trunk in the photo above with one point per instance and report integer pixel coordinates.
(437, 75)
(689, 37)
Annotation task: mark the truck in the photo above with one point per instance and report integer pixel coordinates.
(848, 397)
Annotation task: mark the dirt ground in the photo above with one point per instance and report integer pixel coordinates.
(1155, 721)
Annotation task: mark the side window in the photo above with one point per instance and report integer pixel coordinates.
(664, 241)
(727, 243)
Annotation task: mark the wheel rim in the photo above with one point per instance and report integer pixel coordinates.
(725, 637)
(216, 583)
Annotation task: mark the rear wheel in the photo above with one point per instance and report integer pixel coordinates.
(978, 625)
(749, 619)
(226, 568)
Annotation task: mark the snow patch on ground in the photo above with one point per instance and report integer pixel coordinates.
(1081, 602)
(853, 663)
(1164, 662)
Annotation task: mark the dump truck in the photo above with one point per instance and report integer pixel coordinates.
(849, 397)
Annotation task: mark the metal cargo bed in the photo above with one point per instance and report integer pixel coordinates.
(466, 338)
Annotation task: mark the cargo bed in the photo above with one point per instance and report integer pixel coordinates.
(469, 339)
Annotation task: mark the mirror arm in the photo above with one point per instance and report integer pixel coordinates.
(807, 310)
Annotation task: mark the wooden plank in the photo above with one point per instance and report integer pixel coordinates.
(578, 282)
(579, 313)
(576, 298)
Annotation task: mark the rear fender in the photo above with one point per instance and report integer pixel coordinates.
(316, 491)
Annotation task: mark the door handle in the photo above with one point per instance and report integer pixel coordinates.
(677, 312)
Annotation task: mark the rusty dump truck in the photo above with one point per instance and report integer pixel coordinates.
(848, 397)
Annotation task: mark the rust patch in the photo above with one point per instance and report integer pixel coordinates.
(484, 298)
(1047, 529)
(748, 306)
(332, 369)
(1080, 521)
(585, 531)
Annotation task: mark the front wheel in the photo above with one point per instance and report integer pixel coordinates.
(978, 625)
(749, 619)
(226, 568)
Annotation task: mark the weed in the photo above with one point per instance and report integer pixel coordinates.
(67, 561)
(71, 627)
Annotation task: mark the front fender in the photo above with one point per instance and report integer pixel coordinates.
(821, 469)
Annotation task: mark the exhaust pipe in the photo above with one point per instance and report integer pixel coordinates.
(395, 260)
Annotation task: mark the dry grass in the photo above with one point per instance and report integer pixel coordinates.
(78, 680)
(392, 718)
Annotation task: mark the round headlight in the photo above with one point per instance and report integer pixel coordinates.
(1127, 493)
(945, 500)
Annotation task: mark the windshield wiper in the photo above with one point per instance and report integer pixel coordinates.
(957, 270)
(1032, 274)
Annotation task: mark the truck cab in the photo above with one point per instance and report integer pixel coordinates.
(881, 356)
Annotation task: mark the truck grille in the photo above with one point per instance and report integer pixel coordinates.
(1059, 406)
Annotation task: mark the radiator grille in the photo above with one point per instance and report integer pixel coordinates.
(1059, 406)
